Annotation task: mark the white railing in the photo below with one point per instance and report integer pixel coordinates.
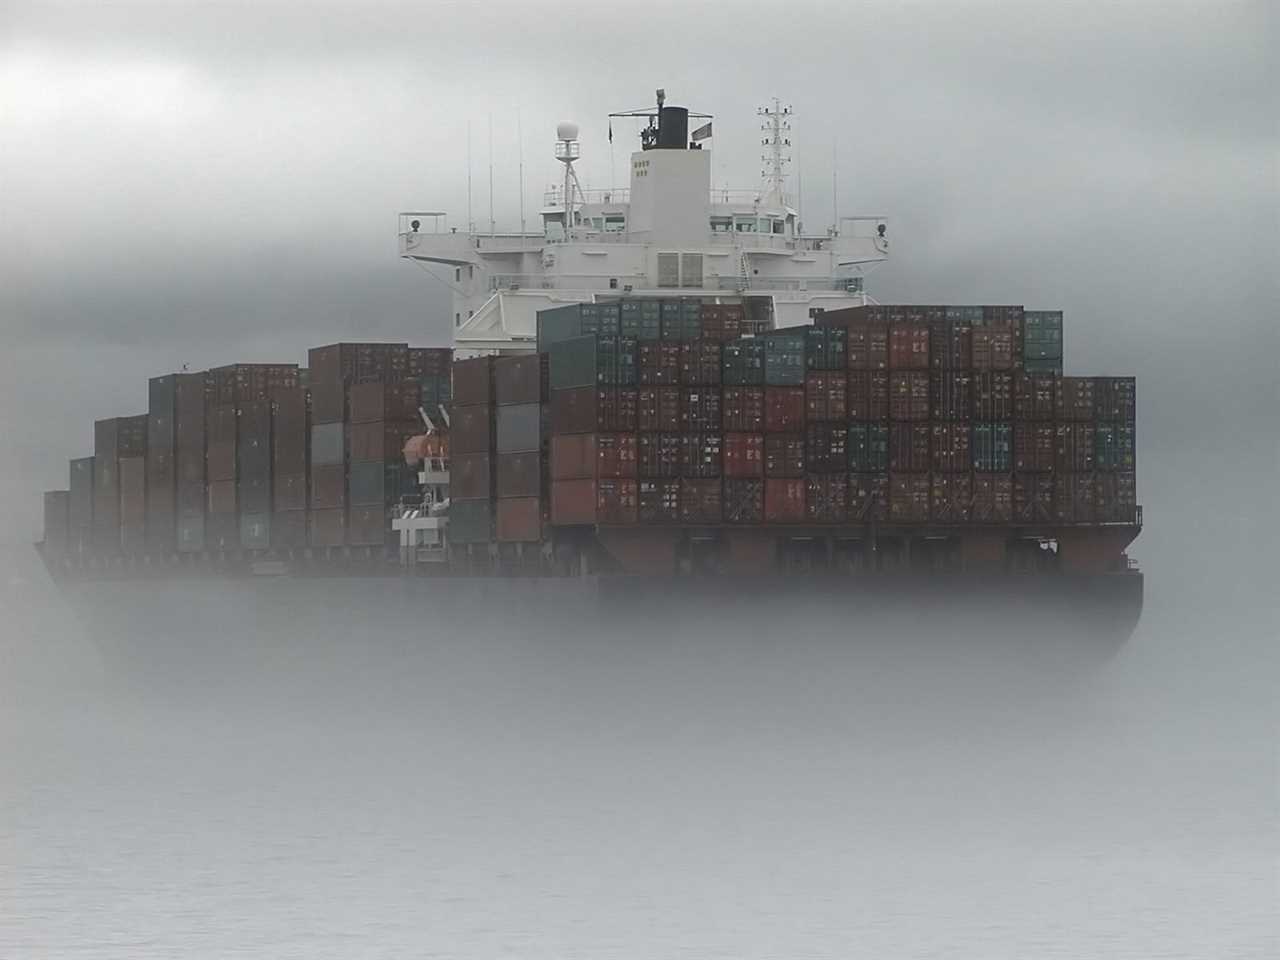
(552, 281)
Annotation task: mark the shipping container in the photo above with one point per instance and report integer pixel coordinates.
(868, 395)
(1114, 446)
(470, 522)
(471, 476)
(519, 475)
(328, 401)
(588, 410)
(519, 428)
(519, 520)
(700, 409)
(1074, 497)
(616, 501)
(1075, 447)
(784, 500)
(659, 364)
(1033, 498)
(1114, 398)
(950, 497)
(191, 533)
(993, 396)
(380, 441)
(950, 345)
(255, 531)
(1034, 446)
(743, 455)
(992, 447)
(826, 348)
(868, 447)
(328, 446)
(908, 448)
(162, 499)
(658, 455)
(909, 395)
(658, 408)
(826, 448)
(289, 492)
(220, 497)
(743, 500)
(743, 363)
(375, 401)
(700, 454)
(992, 498)
(992, 348)
(558, 324)
(1042, 335)
(658, 501)
(57, 521)
(784, 359)
(373, 483)
(471, 429)
(222, 531)
(784, 409)
(573, 502)
(949, 447)
(253, 443)
(521, 380)
(1074, 398)
(1115, 497)
(601, 318)
(908, 346)
(1033, 397)
(367, 525)
(587, 456)
(868, 346)
(826, 395)
(701, 501)
(909, 497)
(80, 507)
(1043, 368)
(784, 455)
(641, 319)
(681, 320)
(721, 322)
(289, 529)
(328, 528)
(348, 363)
(743, 409)
(826, 498)
(430, 361)
(700, 363)
(473, 378)
(254, 494)
(328, 488)
(248, 382)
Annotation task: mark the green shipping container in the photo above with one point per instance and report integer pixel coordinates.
(784, 359)
(601, 319)
(1114, 446)
(573, 363)
(1042, 338)
(868, 448)
(681, 320)
(992, 447)
(641, 319)
(826, 348)
(743, 363)
(1038, 367)
(470, 521)
(558, 324)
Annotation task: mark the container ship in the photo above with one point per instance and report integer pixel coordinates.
(670, 389)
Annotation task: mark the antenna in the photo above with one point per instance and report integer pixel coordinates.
(835, 191)
(520, 138)
(776, 126)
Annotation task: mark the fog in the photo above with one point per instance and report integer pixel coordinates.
(228, 771)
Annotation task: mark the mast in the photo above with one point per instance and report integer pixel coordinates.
(776, 126)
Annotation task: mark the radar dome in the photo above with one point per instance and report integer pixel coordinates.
(566, 131)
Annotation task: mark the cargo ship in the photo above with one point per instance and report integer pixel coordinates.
(669, 389)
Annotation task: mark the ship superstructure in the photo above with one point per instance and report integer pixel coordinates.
(669, 234)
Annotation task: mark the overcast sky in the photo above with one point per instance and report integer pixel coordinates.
(207, 183)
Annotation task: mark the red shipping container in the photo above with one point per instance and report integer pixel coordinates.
(519, 475)
(290, 492)
(470, 429)
(519, 520)
(868, 497)
(909, 448)
(784, 455)
(328, 487)
(742, 409)
(908, 346)
(473, 381)
(700, 363)
(470, 476)
(1074, 497)
(783, 409)
(367, 526)
(521, 379)
(370, 402)
(950, 497)
(992, 498)
(993, 348)
(993, 396)
(1034, 446)
(573, 502)
(616, 456)
(743, 501)
(950, 345)
(658, 455)
(700, 501)
(1033, 497)
(909, 497)
(949, 447)
(700, 408)
(616, 501)
(658, 408)
(826, 447)
(827, 498)
(1116, 497)
(659, 501)
(1034, 397)
(826, 395)
(868, 395)
(659, 363)
(743, 455)
(868, 346)
(700, 454)
(573, 456)
(951, 395)
(1075, 447)
(909, 396)
(327, 528)
(1074, 400)
(784, 500)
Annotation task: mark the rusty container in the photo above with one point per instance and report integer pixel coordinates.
(289, 492)
(868, 395)
(1034, 397)
(658, 501)
(328, 401)
(744, 455)
(909, 448)
(909, 395)
(868, 346)
(328, 488)
(949, 447)
(592, 409)
(573, 502)
(367, 525)
(908, 346)
(950, 345)
(784, 455)
(826, 395)
(950, 497)
(519, 476)
(826, 447)
(1115, 497)
(520, 379)
(471, 476)
(471, 429)
(700, 454)
(658, 408)
(992, 498)
(658, 455)
(784, 500)
(993, 396)
(617, 501)
(701, 501)
(1033, 498)
(950, 395)
(327, 528)
(354, 362)
(909, 497)
(993, 348)
(1075, 398)
(743, 500)
(868, 497)
(700, 363)
(700, 409)
(373, 402)
(784, 409)
(659, 363)
(289, 432)
(519, 520)
(1074, 497)
(574, 456)
(827, 498)
(742, 409)
(1075, 447)
(1034, 446)
(473, 381)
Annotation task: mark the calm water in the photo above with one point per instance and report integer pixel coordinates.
(235, 777)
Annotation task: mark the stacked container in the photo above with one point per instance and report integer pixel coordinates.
(80, 506)
(472, 453)
(289, 434)
(57, 522)
(520, 386)
(161, 466)
(383, 416)
(193, 391)
(431, 369)
(119, 485)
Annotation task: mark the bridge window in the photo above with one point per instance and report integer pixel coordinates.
(615, 224)
(745, 224)
(721, 224)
